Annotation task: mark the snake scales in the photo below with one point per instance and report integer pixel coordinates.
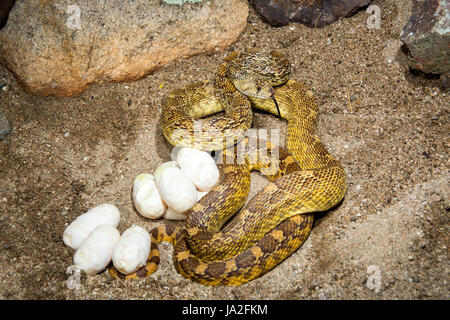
(210, 249)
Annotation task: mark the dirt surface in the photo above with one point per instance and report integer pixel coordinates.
(387, 240)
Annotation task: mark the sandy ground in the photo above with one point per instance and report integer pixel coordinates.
(387, 240)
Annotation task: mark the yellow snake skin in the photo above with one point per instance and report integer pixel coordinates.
(212, 248)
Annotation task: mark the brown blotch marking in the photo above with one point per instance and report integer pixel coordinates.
(190, 263)
(268, 244)
(292, 167)
(155, 233)
(142, 272)
(155, 260)
(286, 226)
(245, 259)
(168, 232)
(216, 269)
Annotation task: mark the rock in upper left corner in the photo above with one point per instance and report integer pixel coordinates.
(59, 47)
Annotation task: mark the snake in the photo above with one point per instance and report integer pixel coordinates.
(228, 240)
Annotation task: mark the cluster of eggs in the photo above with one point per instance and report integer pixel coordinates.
(169, 193)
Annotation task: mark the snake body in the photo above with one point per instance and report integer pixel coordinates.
(213, 249)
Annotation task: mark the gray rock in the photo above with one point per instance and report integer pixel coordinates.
(5, 7)
(445, 79)
(427, 37)
(316, 13)
(5, 126)
(59, 47)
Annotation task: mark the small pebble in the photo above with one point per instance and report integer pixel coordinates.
(64, 212)
(66, 135)
(5, 126)
(322, 296)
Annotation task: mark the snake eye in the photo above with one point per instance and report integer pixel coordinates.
(258, 88)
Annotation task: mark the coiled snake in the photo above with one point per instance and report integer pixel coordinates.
(277, 221)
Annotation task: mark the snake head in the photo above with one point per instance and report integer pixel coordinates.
(256, 90)
(255, 74)
(252, 85)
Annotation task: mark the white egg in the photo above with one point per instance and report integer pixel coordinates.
(146, 197)
(158, 172)
(200, 167)
(171, 214)
(175, 188)
(95, 253)
(132, 250)
(79, 229)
